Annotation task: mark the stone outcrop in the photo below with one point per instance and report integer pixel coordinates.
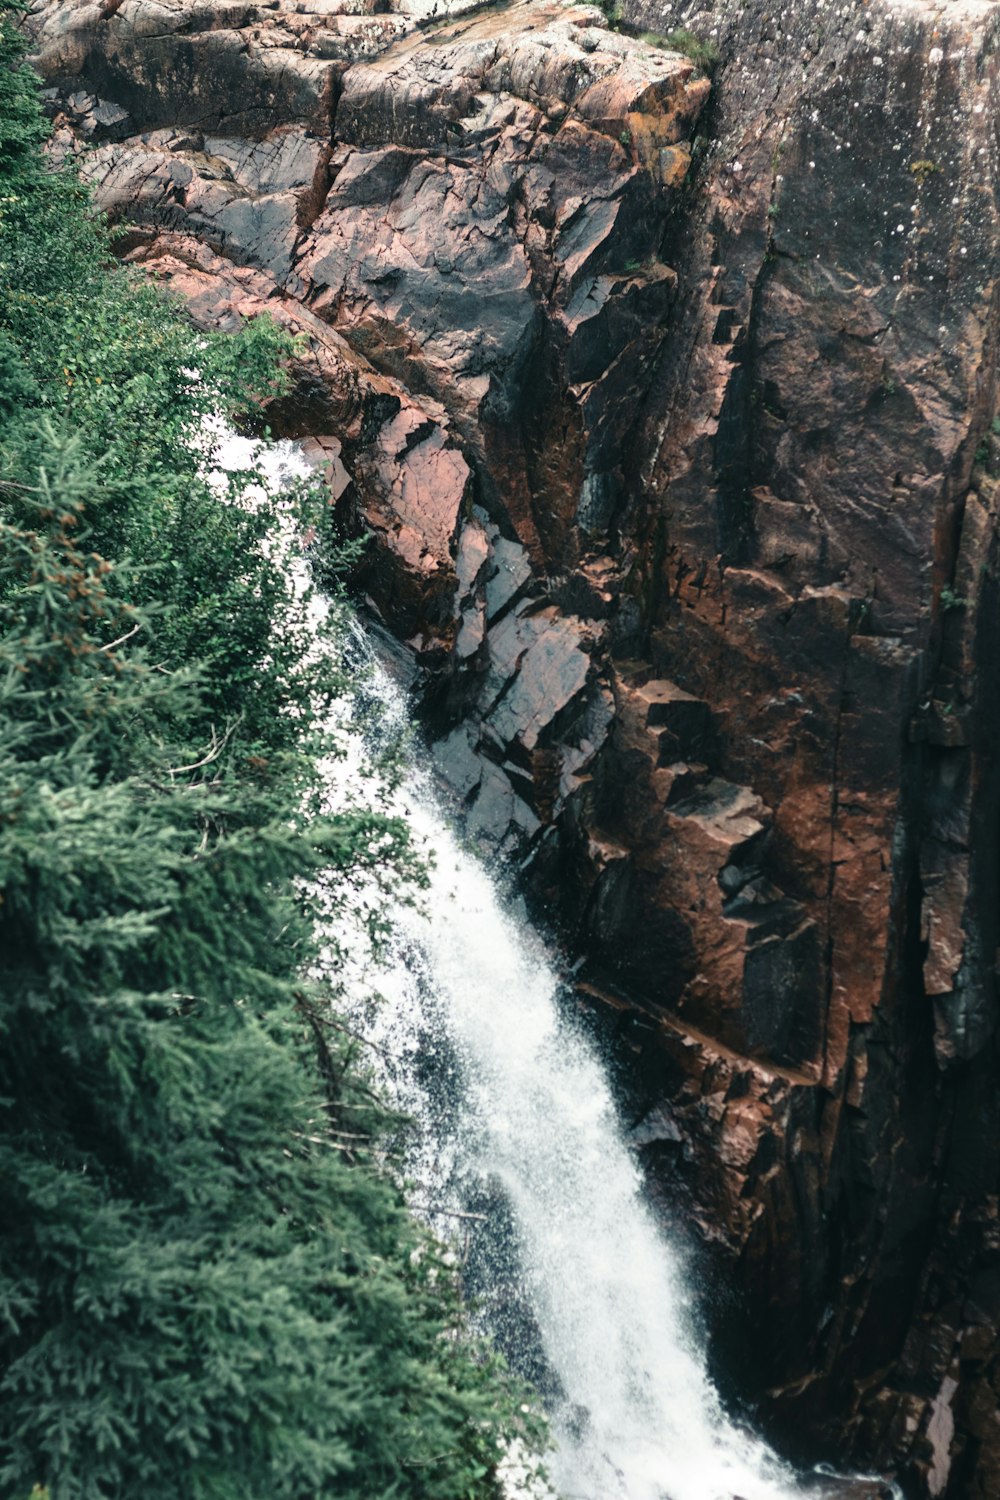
(672, 408)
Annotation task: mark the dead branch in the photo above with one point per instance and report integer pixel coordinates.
(214, 751)
(123, 638)
(450, 1213)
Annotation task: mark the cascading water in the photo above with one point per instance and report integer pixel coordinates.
(518, 1142)
(534, 1125)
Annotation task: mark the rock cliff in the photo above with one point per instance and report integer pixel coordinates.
(672, 404)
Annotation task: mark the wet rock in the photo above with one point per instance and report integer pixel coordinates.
(497, 816)
(483, 225)
(501, 259)
(657, 1126)
(325, 454)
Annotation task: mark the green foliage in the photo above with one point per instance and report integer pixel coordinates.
(22, 128)
(208, 1288)
(704, 54)
(987, 453)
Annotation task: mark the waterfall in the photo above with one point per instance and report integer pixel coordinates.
(530, 1132)
(518, 1149)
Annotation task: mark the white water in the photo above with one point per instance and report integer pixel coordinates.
(531, 1121)
(516, 1121)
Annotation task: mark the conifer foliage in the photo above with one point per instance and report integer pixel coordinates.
(208, 1291)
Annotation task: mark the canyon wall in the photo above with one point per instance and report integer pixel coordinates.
(671, 403)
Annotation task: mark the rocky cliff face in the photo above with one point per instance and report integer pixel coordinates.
(817, 458)
(672, 408)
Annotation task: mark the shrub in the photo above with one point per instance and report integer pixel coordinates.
(704, 54)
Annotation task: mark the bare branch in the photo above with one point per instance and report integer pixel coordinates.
(356, 1036)
(123, 638)
(450, 1213)
(214, 751)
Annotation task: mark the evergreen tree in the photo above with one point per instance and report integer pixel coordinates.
(208, 1289)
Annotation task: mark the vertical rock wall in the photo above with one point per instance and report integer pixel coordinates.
(814, 512)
